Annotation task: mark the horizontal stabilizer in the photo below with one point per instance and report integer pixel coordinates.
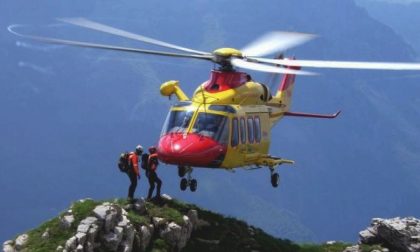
(327, 116)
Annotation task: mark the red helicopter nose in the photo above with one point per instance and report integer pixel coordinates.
(190, 150)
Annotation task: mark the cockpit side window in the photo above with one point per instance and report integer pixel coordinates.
(177, 122)
(213, 126)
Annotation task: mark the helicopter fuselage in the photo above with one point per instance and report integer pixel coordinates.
(227, 123)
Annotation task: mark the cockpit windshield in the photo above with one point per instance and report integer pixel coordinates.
(177, 122)
(206, 124)
(213, 126)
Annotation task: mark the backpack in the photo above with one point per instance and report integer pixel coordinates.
(123, 162)
(145, 161)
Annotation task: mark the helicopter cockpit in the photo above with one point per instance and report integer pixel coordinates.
(202, 123)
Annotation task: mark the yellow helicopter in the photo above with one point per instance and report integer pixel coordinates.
(228, 120)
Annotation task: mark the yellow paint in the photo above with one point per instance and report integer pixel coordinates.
(172, 87)
(227, 52)
(246, 100)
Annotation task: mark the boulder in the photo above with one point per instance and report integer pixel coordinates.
(140, 206)
(369, 236)
(112, 240)
(46, 234)
(8, 246)
(145, 235)
(66, 221)
(355, 248)
(193, 216)
(21, 241)
(171, 233)
(71, 243)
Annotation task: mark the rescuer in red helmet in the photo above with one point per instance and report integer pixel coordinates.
(151, 174)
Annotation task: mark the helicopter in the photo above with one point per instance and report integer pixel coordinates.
(227, 122)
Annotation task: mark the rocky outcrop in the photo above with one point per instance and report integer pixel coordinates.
(109, 229)
(396, 234)
(400, 234)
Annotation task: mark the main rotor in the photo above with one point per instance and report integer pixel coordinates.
(250, 57)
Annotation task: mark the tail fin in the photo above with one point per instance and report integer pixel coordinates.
(284, 94)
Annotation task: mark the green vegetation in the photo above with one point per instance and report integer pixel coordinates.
(215, 232)
(336, 247)
(57, 234)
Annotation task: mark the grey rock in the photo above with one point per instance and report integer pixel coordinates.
(186, 231)
(66, 221)
(166, 197)
(9, 242)
(8, 247)
(83, 228)
(399, 233)
(93, 233)
(71, 243)
(46, 234)
(21, 241)
(193, 216)
(89, 247)
(171, 234)
(355, 248)
(59, 248)
(101, 211)
(158, 222)
(113, 239)
(80, 248)
(145, 235)
(112, 219)
(81, 238)
(140, 206)
(369, 236)
(90, 221)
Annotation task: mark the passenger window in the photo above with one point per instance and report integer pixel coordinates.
(243, 131)
(257, 129)
(235, 133)
(250, 130)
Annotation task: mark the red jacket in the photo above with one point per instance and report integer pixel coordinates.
(133, 159)
(153, 162)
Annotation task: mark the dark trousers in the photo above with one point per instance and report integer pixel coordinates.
(153, 178)
(133, 184)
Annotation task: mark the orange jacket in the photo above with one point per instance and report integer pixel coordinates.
(133, 159)
(153, 162)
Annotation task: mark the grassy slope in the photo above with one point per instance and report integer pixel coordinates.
(219, 233)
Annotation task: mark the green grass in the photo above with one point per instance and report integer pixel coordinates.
(58, 235)
(168, 213)
(337, 247)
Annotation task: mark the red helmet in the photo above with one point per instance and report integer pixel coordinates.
(152, 149)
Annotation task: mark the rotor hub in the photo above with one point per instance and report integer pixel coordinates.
(222, 57)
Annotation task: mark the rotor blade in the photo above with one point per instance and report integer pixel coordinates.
(266, 68)
(103, 46)
(275, 42)
(343, 64)
(111, 30)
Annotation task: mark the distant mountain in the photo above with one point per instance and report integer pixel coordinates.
(402, 17)
(66, 113)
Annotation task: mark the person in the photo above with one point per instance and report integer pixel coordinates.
(151, 173)
(133, 171)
